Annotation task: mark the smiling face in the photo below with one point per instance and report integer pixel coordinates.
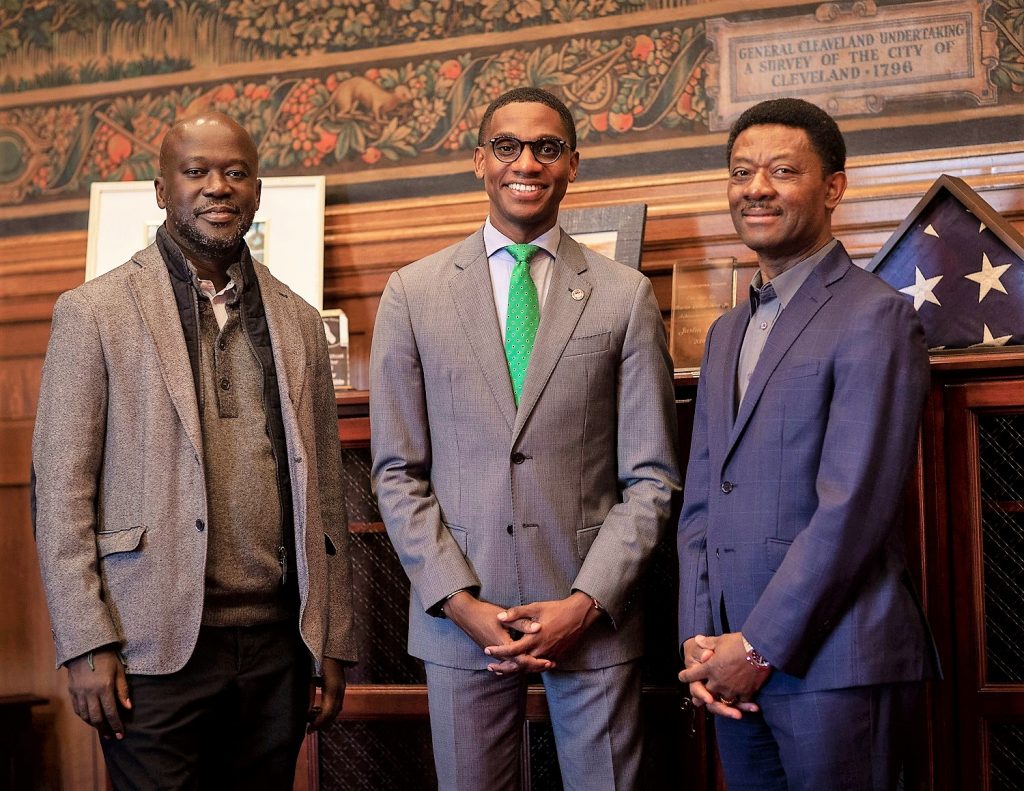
(524, 195)
(208, 186)
(780, 197)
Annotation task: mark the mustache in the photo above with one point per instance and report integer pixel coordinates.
(760, 205)
(230, 207)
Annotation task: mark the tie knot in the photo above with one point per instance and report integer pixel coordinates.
(522, 252)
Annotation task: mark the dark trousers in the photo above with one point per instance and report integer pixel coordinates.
(851, 739)
(233, 717)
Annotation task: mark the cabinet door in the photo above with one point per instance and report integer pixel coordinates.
(985, 458)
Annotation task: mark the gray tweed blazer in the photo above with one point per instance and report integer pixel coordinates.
(120, 484)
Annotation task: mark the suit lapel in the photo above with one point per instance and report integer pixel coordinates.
(558, 320)
(285, 337)
(474, 302)
(150, 285)
(734, 327)
(808, 300)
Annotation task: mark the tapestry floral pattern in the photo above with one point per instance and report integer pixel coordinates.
(348, 120)
(356, 89)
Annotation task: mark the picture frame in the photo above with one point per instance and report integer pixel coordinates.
(962, 264)
(700, 294)
(336, 330)
(614, 231)
(290, 221)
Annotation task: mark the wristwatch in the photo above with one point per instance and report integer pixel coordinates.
(755, 659)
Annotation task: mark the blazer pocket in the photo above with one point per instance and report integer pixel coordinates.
(797, 371)
(460, 536)
(585, 539)
(775, 552)
(590, 344)
(110, 542)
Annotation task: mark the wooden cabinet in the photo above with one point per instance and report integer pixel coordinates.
(982, 402)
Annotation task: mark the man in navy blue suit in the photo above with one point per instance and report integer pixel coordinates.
(798, 621)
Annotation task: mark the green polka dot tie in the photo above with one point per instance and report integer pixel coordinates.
(523, 316)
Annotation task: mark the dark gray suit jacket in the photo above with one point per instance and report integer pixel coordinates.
(790, 531)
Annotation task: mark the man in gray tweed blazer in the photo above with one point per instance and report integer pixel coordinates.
(189, 519)
(524, 508)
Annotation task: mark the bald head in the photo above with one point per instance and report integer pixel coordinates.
(188, 128)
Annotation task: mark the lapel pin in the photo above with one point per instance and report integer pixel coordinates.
(577, 294)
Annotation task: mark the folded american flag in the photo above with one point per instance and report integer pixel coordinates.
(962, 264)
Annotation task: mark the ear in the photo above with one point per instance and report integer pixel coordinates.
(479, 157)
(835, 186)
(574, 165)
(158, 185)
(259, 191)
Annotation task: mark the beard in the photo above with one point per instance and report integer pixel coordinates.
(186, 224)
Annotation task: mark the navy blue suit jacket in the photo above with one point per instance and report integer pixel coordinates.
(790, 523)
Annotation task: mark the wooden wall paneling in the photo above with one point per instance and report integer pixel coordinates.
(33, 271)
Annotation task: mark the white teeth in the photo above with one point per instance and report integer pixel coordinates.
(523, 187)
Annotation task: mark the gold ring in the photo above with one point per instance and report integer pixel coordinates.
(727, 701)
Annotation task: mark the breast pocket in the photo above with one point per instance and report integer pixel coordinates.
(798, 371)
(590, 344)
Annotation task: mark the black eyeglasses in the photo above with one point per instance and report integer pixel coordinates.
(546, 150)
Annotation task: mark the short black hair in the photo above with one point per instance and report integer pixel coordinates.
(821, 128)
(526, 95)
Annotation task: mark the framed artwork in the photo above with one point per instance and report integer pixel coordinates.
(336, 330)
(287, 233)
(613, 231)
(962, 265)
(700, 294)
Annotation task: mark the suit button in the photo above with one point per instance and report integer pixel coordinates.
(225, 384)
(726, 487)
(518, 458)
(200, 526)
(508, 529)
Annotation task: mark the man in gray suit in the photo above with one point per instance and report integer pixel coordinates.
(525, 465)
(801, 628)
(189, 520)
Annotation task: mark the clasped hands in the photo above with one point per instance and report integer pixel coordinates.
(525, 639)
(720, 676)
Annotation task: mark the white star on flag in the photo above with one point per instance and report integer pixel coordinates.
(987, 277)
(931, 232)
(988, 340)
(922, 289)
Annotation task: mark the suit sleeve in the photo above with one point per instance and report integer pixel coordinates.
(400, 439)
(67, 453)
(691, 534)
(648, 469)
(880, 381)
(340, 637)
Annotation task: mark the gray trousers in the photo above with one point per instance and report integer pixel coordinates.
(476, 723)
